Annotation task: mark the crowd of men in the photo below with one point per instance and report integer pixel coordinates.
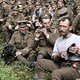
(45, 33)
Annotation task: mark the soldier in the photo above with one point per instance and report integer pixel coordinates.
(61, 8)
(36, 15)
(11, 25)
(60, 68)
(23, 40)
(76, 21)
(29, 8)
(45, 36)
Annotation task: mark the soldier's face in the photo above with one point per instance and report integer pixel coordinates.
(23, 29)
(15, 13)
(30, 5)
(60, 4)
(46, 22)
(78, 9)
(64, 28)
(20, 9)
(12, 1)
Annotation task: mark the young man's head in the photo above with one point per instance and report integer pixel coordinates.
(65, 26)
(60, 4)
(46, 20)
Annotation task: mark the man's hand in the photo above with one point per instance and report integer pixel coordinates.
(37, 35)
(44, 30)
(63, 54)
(73, 48)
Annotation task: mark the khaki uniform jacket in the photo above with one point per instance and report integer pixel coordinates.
(76, 24)
(12, 20)
(22, 42)
(46, 45)
(53, 35)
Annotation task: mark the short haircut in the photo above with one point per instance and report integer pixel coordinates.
(68, 18)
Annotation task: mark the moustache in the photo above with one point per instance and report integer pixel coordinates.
(61, 31)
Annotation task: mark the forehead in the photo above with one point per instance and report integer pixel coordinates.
(65, 22)
(45, 20)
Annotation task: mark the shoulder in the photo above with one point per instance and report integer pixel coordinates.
(28, 32)
(16, 32)
(76, 37)
(59, 39)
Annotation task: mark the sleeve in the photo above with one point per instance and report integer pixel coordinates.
(53, 36)
(12, 40)
(55, 49)
(75, 22)
(30, 45)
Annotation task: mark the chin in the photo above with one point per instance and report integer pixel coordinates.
(62, 34)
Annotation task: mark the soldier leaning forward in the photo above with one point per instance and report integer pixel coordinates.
(45, 37)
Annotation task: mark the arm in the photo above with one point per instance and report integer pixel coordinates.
(12, 40)
(53, 36)
(30, 45)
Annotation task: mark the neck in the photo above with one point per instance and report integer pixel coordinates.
(67, 35)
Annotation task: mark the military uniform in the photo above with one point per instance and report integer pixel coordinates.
(11, 21)
(61, 68)
(46, 43)
(76, 21)
(25, 44)
(76, 24)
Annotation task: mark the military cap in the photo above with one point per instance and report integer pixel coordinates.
(37, 4)
(46, 16)
(23, 23)
(62, 11)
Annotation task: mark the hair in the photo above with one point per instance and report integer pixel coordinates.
(41, 16)
(68, 18)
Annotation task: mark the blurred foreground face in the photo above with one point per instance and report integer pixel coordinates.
(64, 27)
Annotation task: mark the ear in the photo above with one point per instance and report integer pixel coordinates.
(70, 28)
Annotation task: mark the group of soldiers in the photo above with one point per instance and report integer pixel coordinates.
(39, 30)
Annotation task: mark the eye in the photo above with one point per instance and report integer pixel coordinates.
(19, 23)
(24, 23)
(62, 26)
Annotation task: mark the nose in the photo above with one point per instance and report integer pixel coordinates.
(61, 28)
